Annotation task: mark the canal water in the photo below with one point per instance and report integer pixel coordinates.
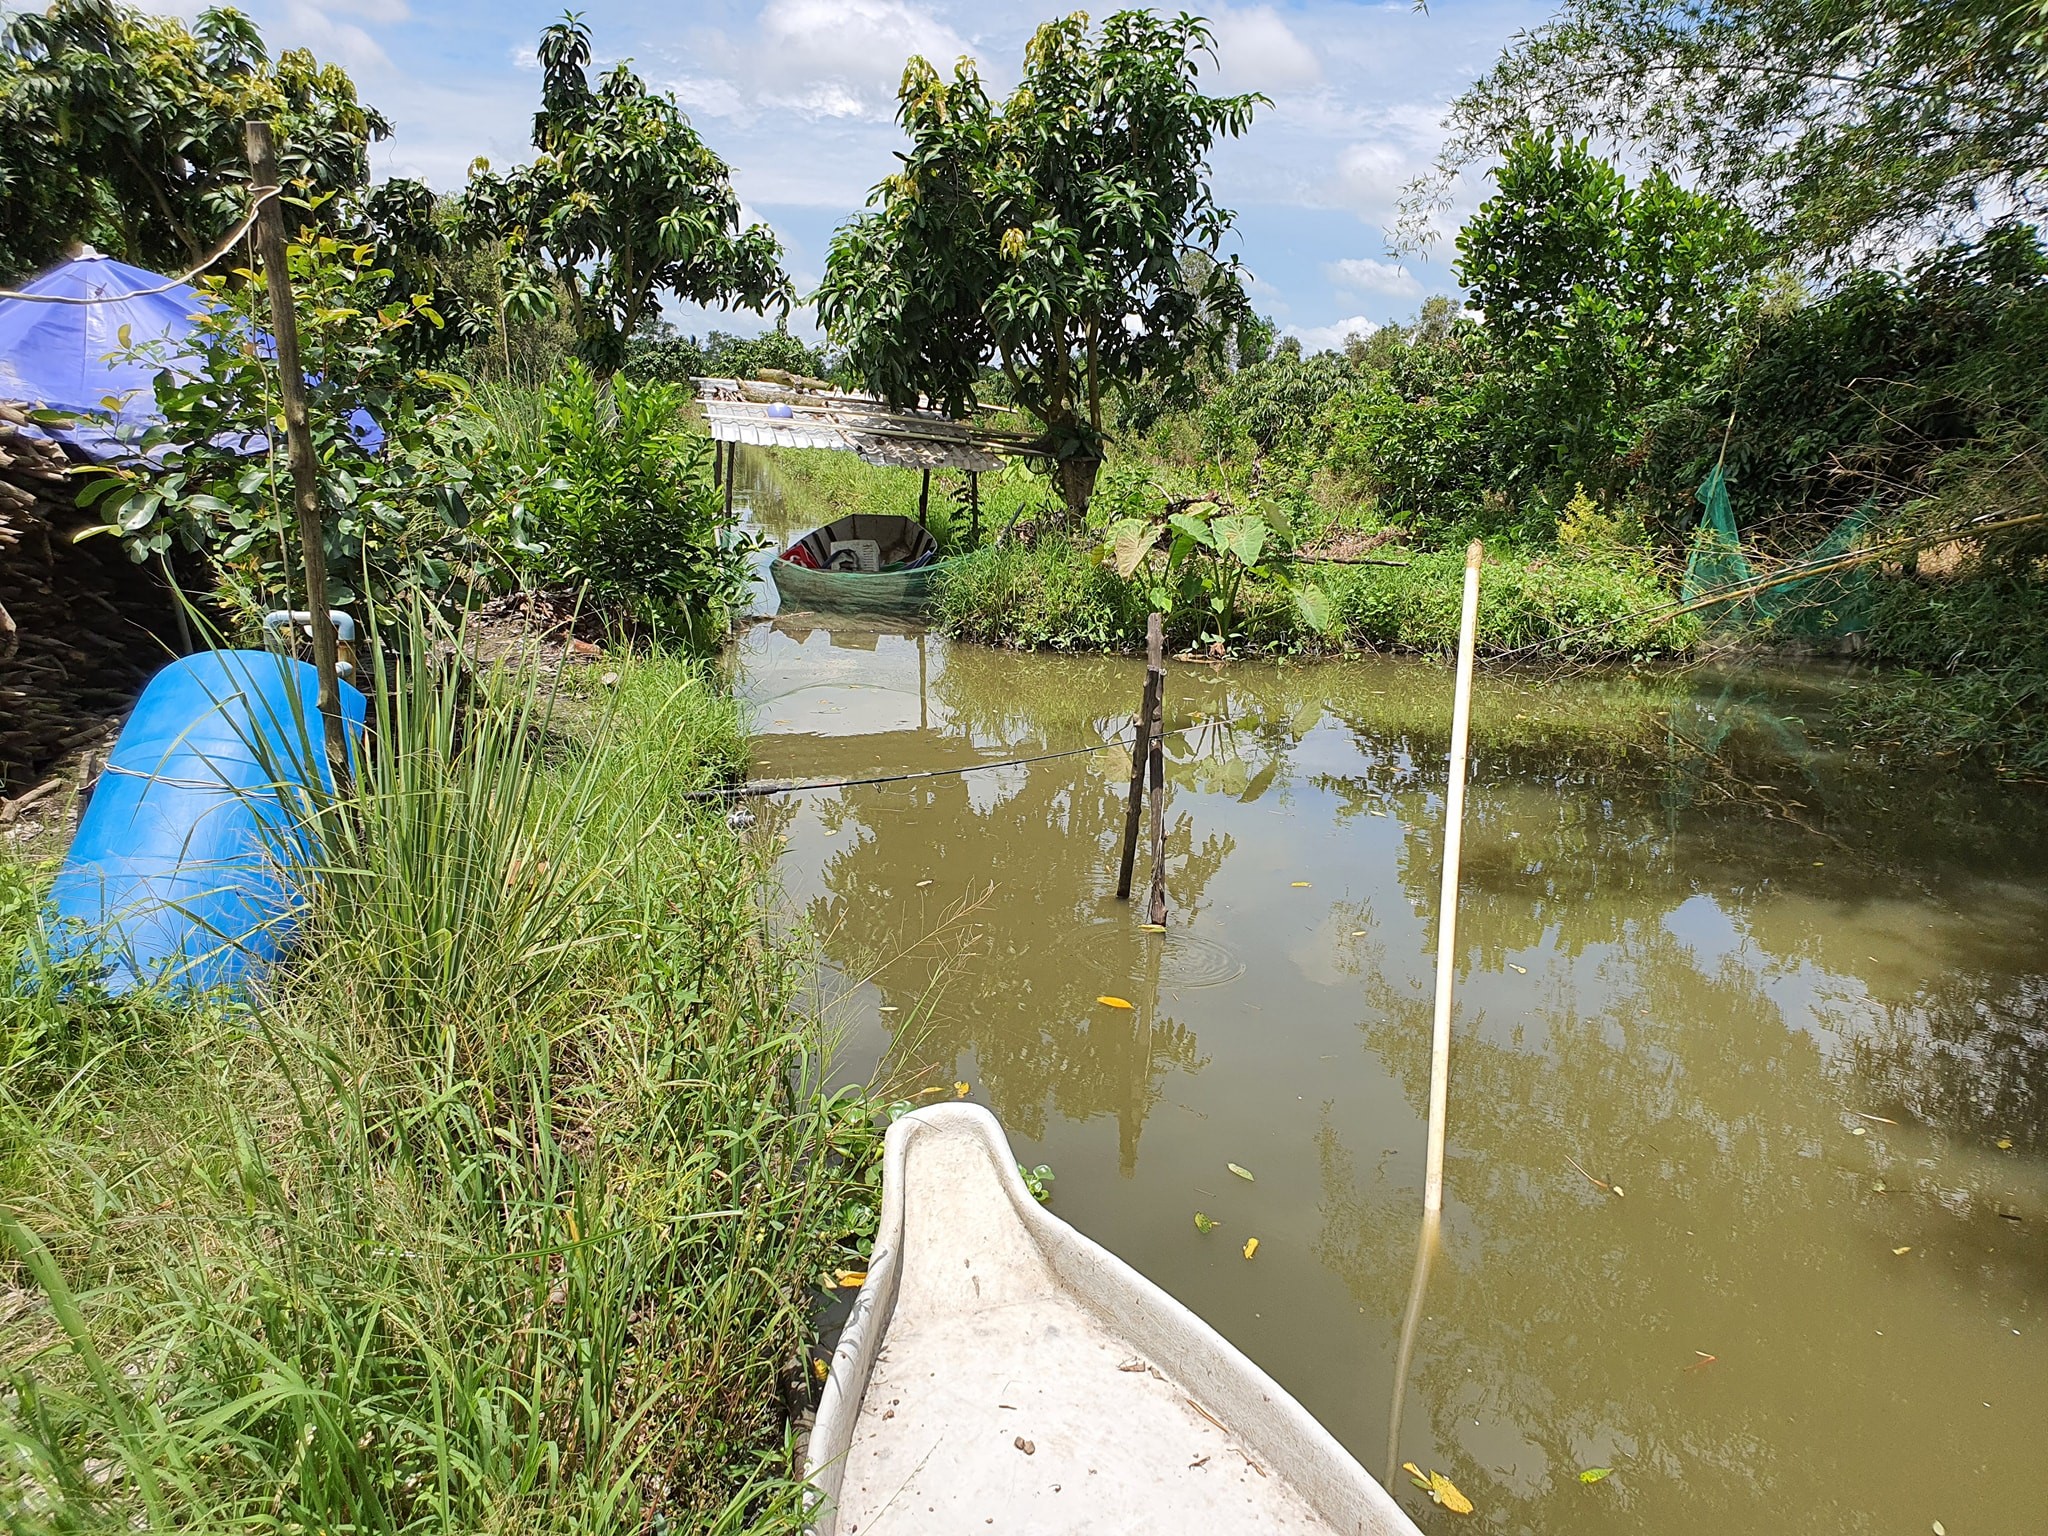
(1747, 1183)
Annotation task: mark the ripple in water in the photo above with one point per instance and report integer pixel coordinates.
(1191, 960)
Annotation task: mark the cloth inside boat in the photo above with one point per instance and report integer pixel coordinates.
(901, 543)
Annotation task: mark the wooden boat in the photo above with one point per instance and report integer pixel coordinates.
(810, 575)
(998, 1366)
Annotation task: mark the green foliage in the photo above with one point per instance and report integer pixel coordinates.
(1059, 596)
(125, 129)
(622, 204)
(658, 351)
(216, 481)
(501, 1210)
(618, 495)
(1845, 127)
(1599, 298)
(1045, 237)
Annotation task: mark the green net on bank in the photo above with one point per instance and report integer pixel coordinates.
(1824, 606)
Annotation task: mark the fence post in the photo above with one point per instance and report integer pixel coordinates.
(1141, 751)
(298, 435)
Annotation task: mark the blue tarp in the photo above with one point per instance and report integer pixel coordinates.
(70, 357)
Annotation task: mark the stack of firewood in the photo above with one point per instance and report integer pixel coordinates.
(81, 627)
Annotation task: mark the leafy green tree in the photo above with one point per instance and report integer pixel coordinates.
(1847, 127)
(1046, 237)
(1599, 298)
(212, 478)
(622, 204)
(125, 129)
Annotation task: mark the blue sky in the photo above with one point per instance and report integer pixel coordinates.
(798, 96)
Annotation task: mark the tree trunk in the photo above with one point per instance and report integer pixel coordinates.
(1076, 478)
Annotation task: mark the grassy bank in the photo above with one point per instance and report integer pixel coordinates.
(1059, 595)
(503, 1212)
(835, 485)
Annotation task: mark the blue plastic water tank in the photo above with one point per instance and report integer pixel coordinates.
(180, 869)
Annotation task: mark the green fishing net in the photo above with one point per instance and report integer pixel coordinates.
(1823, 606)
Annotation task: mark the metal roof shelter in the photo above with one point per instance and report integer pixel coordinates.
(768, 415)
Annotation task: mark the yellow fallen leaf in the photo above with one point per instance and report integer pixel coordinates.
(1439, 1488)
(1358, 933)
(1251, 1246)
(1858, 1130)
(1300, 885)
(820, 1369)
(922, 884)
(1114, 1002)
(961, 1090)
(2005, 1143)
(1519, 970)
(1907, 1249)
(850, 1279)
(1151, 927)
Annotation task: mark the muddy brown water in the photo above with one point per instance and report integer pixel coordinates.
(1790, 1003)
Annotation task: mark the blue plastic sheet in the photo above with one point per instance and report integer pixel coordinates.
(68, 357)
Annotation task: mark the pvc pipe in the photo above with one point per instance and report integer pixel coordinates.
(1447, 905)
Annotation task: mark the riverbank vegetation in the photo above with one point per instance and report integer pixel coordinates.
(503, 1206)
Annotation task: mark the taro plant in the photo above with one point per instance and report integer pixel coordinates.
(1212, 551)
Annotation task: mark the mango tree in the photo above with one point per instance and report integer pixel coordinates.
(623, 203)
(1044, 238)
(125, 129)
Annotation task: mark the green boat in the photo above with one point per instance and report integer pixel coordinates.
(871, 563)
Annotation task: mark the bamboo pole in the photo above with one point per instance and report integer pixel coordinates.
(1447, 904)
(298, 435)
(1141, 753)
(1155, 758)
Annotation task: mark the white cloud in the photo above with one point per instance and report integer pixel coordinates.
(1362, 274)
(379, 12)
(335, 42)
(1257, 51)
(1370, 176)
(1330, 338)
(845, 58)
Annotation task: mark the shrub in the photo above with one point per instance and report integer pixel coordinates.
(619, 496)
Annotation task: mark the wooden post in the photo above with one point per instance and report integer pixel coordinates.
(1141, 752)
(974, 504)
(924, 496)
(717, 463)
(1447, 901)
(291, 384)
(1155, 757)
(732, 453)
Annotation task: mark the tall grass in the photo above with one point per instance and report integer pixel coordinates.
(502, 1210)
(1059, 596)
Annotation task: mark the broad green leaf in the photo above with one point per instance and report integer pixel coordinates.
(1130, 540)
(1193, 529)
(1242, 1173)
(1317, 612)
(1595, 1474)
(1242, 535)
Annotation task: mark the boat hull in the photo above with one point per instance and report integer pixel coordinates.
(884, 594)
(999, 1365)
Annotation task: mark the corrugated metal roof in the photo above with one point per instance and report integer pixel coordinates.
(738, 411)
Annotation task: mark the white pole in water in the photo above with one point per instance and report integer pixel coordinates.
(1447, 905)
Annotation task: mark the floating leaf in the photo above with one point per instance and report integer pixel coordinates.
(2005, 1143)
(1299, 885)
(1251, 1246)
(1358, 933)
(1614, 1190)
(922, 884)
(1242, 1173)
(1439, 1488)
(1114, 1002)
(1595, 1474)
(1908, 1248)
(1859, 1130)
(1519, 970)
(961, 1090)
(1151, 927)
(1206, 1223)
(850, 1279)
(1940, 1529)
